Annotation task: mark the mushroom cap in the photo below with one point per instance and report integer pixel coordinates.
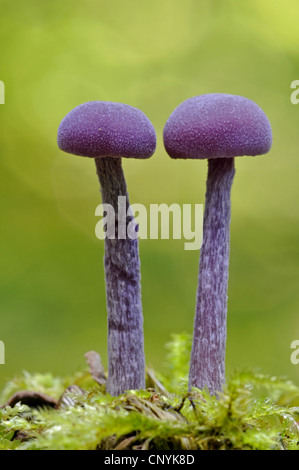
(106, 129)
(217, 126)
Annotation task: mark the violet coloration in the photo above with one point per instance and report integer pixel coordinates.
(106, 129)
(107, 132)
(217, 127)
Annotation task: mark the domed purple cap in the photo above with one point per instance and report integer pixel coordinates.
(105, 129)
(217, 126)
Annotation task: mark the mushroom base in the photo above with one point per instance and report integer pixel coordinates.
(207, 368)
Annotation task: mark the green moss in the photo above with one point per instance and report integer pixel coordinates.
(254, 412)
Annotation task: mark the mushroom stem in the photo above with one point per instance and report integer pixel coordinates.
(207, 368)
(126, 364)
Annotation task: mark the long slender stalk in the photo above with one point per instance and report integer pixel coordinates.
(207, 368)
(126, 364)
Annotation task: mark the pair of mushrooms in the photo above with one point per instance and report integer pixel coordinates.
(217, 127)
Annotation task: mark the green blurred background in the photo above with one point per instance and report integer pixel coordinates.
(153, 55)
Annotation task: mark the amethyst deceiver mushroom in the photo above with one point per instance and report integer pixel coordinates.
(108, 132)
(217, 127)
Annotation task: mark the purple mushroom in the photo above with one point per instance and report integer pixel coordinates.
(108, 132)
(218, 127)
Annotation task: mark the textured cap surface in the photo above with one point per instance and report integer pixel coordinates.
(217, 126)
(106, 129)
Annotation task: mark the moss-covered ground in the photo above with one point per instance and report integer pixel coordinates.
(254, 412)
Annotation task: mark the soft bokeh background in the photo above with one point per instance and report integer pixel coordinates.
(152, 55)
